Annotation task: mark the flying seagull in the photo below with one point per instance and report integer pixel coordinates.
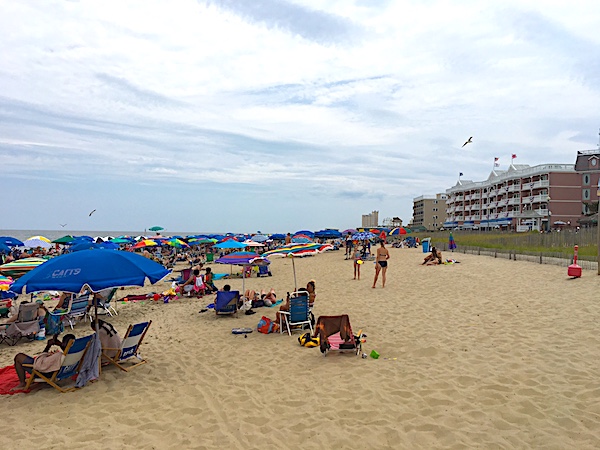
(92, 213)
(469, 141)
(63, 225)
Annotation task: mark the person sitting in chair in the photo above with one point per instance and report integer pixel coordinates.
(109, 338)
(51, 361)
(188, 286)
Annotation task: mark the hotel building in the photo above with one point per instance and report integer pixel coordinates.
(521, 198)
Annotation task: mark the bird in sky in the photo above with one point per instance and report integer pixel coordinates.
(63, 225)
(92, 213)
(469, 141)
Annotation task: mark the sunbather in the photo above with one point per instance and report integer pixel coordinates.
(50, 362)
(434, 258)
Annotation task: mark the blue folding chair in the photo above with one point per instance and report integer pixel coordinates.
(227, 302)
(130, 346)
(298, 314)
(74, 353)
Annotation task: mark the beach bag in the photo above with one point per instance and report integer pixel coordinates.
(266, 326)
(53, 324)
(306, 340)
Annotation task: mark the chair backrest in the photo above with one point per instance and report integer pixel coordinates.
(73, 357)
(79, 304)
(110, 296)
(226, 301)
(299, 310)
(263, 270)
(133, 339)
(185, 274)
(28, 312)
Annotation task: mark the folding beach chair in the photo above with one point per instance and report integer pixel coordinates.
(70, 366)
(263, 271)
(27, 324)
(105, 304)
(129, 347)
(78, 308)
(227, 302)
(335, 334)
(298, 315)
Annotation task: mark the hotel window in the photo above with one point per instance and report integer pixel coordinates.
(586, 194)
(586, 179)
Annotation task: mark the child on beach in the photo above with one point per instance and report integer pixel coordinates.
(357, 263)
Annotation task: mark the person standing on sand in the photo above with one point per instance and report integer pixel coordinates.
(381, 264)
(288, 239)
(357, 262)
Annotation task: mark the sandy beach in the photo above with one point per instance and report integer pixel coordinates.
(487, 353)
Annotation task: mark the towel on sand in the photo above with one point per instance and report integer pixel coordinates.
(9, 380)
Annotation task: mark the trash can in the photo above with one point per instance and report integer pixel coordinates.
(425, 245)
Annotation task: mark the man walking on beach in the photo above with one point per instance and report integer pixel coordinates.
(381, 264)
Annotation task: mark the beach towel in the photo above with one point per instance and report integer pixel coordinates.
(89, 368)
(9, 380)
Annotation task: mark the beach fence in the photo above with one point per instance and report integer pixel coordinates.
(558, 259)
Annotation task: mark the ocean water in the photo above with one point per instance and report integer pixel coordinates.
(55, 234)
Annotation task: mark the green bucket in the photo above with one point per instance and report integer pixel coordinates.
(374, 354)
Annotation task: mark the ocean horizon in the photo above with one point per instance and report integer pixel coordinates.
(55, 234)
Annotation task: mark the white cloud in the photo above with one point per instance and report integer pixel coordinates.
(349, 106)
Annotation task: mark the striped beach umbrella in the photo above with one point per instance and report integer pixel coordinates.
(5, 282)
(298, 250)
(145, 243)
(20, 267)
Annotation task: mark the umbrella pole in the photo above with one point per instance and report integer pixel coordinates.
(294, 267)
(243, 280)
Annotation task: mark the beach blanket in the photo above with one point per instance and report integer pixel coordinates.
(278, 302)
(9, 380)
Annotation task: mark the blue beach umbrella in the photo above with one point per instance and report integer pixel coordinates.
(93, 246)
(230, 243)
(93, 268)
(362, 236)
(11, 241)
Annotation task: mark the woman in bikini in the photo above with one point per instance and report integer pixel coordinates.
(381, 264)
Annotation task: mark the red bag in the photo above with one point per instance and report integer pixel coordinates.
(266, 326)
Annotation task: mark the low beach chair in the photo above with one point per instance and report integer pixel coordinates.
(105, 304)
(27, 324)
(335, 334)
(227, 302)
(70, 366)
(78, 309)
(129, 347)
(263, 271)
(298, 315)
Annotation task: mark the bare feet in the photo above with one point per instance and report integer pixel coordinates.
(19, 387)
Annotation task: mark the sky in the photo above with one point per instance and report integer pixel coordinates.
(271, 115)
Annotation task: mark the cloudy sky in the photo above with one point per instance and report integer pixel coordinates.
(272, 115)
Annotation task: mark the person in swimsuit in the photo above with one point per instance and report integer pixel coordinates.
(381, 264)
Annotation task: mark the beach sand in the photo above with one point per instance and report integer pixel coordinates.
(488, 353)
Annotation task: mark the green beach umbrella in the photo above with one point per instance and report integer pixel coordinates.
(63, 240)
(156, 228)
